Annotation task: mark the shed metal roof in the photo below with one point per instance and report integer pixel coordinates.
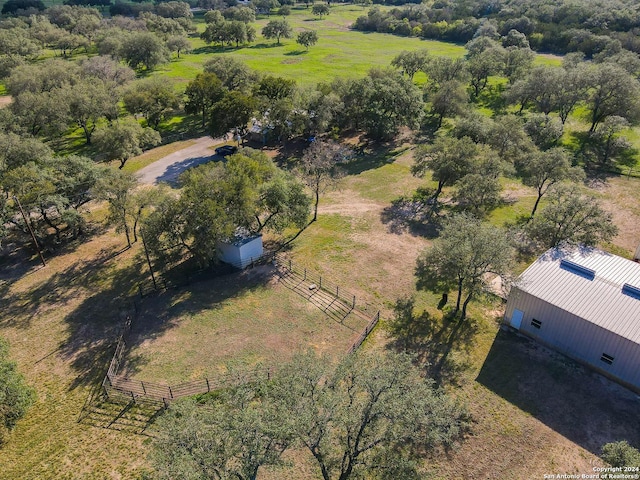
(599, 300)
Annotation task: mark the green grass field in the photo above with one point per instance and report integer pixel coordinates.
(340, 51)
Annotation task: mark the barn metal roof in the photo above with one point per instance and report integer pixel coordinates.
(599, 299)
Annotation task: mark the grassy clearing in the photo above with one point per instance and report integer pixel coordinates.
(76, 302)
(238, 321)
(340, 51)
(60, 321)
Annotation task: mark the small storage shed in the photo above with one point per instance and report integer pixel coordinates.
(584, 303)
(241, 251)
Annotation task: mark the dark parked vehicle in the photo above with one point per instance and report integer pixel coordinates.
(226, 150)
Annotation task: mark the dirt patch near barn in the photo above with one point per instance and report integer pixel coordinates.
(526, 393)
(621, 199)
(5, 100)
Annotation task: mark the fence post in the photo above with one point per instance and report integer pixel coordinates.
(133, 397)
(143, 389)
(290, 268)
(305, 273)
(208, 386)
(320, 283)
(170, 392)
(353, 305)
(337, 291)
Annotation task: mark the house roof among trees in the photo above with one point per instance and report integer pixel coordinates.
(600, 287)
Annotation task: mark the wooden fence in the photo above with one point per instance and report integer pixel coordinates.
(135, 389)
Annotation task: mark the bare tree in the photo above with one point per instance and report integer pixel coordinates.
(320, 168)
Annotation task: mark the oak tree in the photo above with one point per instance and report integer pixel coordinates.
(466, 251)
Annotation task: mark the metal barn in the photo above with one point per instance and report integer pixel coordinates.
(241, 251)
(584, 303)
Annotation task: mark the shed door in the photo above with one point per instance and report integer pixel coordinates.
(516, 318)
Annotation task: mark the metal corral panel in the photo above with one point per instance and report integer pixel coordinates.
(577, 338)
(598, 299)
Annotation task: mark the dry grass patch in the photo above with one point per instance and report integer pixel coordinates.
(622, 199)
(238, 320)
(61, 321)
(537, 412)
(533, 414)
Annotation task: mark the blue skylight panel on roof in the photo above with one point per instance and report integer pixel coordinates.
(631, 291)
(578, 269)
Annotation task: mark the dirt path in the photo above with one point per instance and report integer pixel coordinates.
(5, 100)
(168, 169)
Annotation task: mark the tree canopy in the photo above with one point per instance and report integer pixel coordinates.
(571, 217)
(461, 257)
(277, 29)
(15, 395)
(372, 414)
(125, 139)
(202, 93)
(307, 39)
(248, 194)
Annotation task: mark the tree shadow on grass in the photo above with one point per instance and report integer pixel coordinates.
(164, 311)
(574, 401)
(60, 288)
(17, 258)
(94, 325)
(105, 282)
(413, 215)
(493, 98)
(210, 49)
(260, 46)
(370, 155)
(295, 53)
(187, 125)
(441, 345)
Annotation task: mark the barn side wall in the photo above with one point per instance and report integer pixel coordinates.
(251, 251)
(229, 253)
(577, 338)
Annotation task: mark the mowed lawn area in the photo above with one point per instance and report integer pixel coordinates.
(233, 322)
(340, 52)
